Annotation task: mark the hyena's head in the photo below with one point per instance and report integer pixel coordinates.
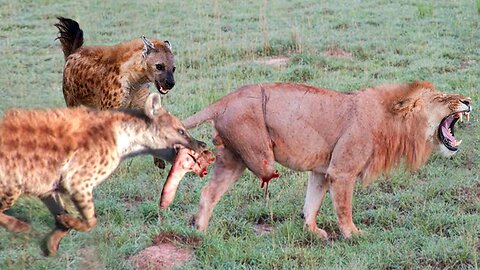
(160, 63)
(167, 131)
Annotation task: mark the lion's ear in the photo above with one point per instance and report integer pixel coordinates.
(416, 85)
(402, 104)
(407, 106)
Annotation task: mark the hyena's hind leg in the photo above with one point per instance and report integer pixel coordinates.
(7, 199)
(52, 241)
(83, 201)
(81, 194)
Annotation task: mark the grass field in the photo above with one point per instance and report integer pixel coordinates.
(426, 219)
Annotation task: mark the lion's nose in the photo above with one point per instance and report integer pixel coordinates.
(467, 102)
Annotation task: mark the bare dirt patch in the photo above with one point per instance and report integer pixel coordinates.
(261, 229)
(276, 61)
(337, 52)
(467, 64)
(132, 202)
(168, 251)
(88, 259)
(470, 194)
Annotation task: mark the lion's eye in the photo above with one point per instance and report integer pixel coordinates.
(174, 68)
(160, 67)
(181, 132)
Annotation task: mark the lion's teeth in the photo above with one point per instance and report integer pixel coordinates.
(461, 117)
(459, 142)
(467, 116)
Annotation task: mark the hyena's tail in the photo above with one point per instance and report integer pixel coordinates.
(206, 114)
(70, 35)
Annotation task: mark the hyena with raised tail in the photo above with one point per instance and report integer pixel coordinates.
(113, 77)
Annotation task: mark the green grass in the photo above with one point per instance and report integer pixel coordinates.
(424, 220)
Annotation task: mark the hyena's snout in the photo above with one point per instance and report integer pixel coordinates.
(169, 81)
(198, 146)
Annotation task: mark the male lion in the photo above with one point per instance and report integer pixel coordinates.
(337, 136)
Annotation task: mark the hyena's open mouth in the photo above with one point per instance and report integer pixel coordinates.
(161, 89)
(446, 131)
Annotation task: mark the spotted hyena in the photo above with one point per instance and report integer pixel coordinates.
(68, 152)
(113, 77)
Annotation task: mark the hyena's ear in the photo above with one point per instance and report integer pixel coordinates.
(148, 46)
(169, 45)
(153, 106)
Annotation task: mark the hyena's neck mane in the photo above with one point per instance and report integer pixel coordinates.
(133, 69)
(130, 132)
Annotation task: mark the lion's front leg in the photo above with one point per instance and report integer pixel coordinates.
(316, 190)
(341, 191)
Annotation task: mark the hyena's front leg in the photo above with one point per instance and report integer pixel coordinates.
(83, 201)
(7, 199)
(60, 231)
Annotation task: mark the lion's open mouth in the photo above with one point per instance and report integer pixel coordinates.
(160, 89)
(446, 130)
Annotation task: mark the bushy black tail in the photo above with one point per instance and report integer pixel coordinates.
(70, 35)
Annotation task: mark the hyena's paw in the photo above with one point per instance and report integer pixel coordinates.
(69, 222)
(74, 223)
(19, 227)
(52, 242)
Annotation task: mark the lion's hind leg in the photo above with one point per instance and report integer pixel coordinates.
(227, 168)
(317, 188)
(7, 199)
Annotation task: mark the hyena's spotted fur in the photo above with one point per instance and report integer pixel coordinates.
(70, 151)
(113, 77)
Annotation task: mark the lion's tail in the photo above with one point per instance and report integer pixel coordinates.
(70, 35)
(206, 114)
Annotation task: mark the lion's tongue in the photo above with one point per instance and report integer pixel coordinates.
(446, 130)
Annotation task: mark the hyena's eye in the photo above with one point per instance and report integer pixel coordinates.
(160, 67)
(174, 68)
(181, 132)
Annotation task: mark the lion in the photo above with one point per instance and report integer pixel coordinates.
(338, 137)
